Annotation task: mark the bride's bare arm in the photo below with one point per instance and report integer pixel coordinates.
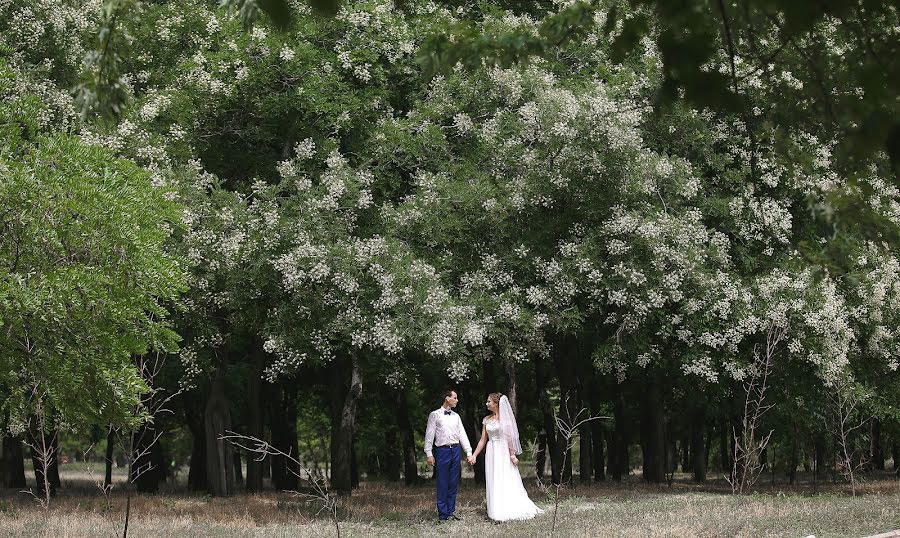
(481, 441)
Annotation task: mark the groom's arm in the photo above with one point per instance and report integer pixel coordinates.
(429, 433)
(463, 437)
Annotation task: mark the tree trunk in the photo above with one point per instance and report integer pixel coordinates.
(833, 459)
(197, 469)
(390, 468)
(110, 444)
(238, 470)
(671, 451)
(585, 440)
(407, 440)
(598, 456)
(343, 423)
(895, 453)
(14, 464)
(255, 419)
(54, 465)
(618, 437)
(325, 449)
(472, 422)
(219, 458)
(510, 371)
(698, 448)
(653, 430)
(724, 459)
(283, 425)
(876, 451)
(612, 459)
(793, 460)
(4, 471)
(540, 458)
(772, 465)
(595, 396)
(489, 379)
(819, 447)
(585, 451)
(564, 361)
(549, 435)
(354, 465)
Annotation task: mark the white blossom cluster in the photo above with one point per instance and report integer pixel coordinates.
(56, 31)
(374, 37)
(286, 359)
(367, 291)
(652, 264)
(761, 219)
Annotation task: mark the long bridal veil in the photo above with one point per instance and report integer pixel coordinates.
(508, 425)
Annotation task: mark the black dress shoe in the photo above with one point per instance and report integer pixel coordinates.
(454, 517)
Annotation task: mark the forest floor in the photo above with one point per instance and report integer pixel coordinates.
(629, 508)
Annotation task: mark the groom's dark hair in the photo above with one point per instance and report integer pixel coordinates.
(447, 393)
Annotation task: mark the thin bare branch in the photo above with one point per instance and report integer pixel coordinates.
(262, 449)
(747, 448)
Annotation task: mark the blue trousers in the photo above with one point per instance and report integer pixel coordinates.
(446, 470)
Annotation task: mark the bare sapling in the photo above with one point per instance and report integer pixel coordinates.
(748, 448)
(318, 484)
(568, 428)
(44, 448)
(137, 445)
(847, 421)
(102, 485)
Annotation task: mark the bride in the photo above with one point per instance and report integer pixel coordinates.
(506, 496)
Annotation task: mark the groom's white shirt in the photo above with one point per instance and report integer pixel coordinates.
(445, 430)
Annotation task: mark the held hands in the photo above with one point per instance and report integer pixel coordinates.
(470, 459)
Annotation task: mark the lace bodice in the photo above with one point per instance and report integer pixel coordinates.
(493, 429)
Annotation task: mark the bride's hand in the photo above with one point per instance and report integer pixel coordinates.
(514, 460)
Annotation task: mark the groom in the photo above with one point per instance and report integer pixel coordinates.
(445, 433)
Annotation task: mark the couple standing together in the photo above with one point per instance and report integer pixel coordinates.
(506, 496)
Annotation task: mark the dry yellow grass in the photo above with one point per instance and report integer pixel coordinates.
(379, 509)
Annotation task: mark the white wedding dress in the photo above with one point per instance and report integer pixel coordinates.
(506, 496)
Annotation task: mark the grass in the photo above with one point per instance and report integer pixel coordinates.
(383, 509)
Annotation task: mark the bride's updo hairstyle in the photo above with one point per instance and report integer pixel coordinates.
(495, 397)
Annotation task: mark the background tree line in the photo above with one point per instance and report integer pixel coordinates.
(305, 234)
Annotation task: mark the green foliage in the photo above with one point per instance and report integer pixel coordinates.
(102, 90)
(278, 11)
(473, 45)
(86, 281)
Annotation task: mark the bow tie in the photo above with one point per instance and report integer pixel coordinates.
(446, 412)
